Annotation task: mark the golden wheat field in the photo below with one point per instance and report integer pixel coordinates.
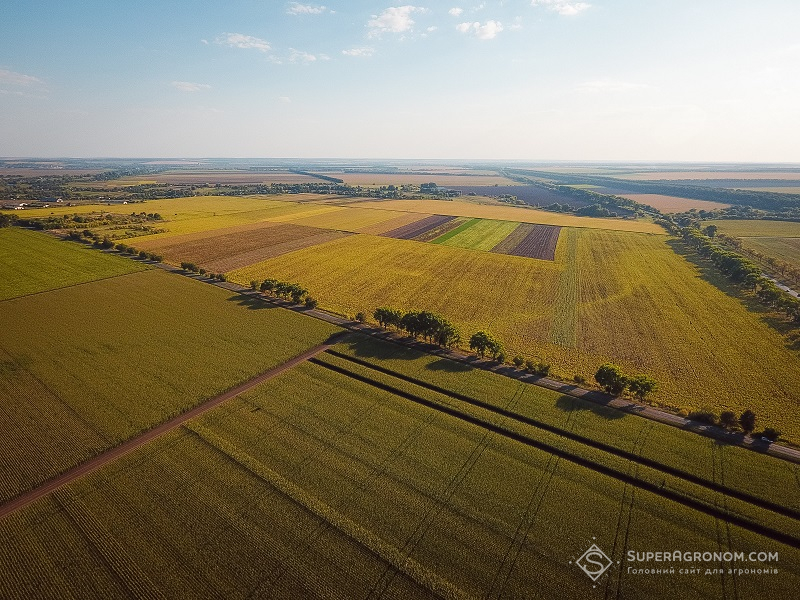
(609, 296)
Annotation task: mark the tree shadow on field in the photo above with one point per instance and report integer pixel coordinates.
(448, 366)
(364, 346)
(572, 404)
(709, 273)
(250, 302)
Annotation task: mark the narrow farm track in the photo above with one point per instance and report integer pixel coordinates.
(105, 458)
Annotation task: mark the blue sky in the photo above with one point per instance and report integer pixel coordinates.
(706, 80)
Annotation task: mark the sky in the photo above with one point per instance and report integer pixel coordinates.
(649, 80)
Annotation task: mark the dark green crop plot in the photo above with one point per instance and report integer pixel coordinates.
(33, 262)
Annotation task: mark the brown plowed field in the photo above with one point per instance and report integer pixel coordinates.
(513, 239)
(412, 230)
(434, 233)
(240, 248)
(539, 243)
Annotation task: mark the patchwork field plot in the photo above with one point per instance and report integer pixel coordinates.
(608, 296)
(222, 177)
(440, 179)
(347, 219)
(510, 213)
(776, 239)
(395, 222)
(130, 351)
(540, 243)
(418, 228)
(32, 262)
(321, 484)
(223, 250)
(738, 175)
(673, 204)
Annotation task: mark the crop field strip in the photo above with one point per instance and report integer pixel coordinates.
(501, 212)
(237, 249)
(417, 228)
(104, 379)
(401, 219)
(513, 239)
(439, 230)
(775, 481)
(406, 483)
(539, 243)
(31, 262)
(478, 234)
(565, 315)
(747, 514)
(632, 456)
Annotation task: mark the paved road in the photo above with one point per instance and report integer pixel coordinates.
(114, 453)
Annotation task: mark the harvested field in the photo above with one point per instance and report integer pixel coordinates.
(222, 177)
(673, 204)
(539, 243)
(510, 213)
(402, 219)
(442, 229)
(412, 230)
(756, 228)
(227, 251)
(513, 239)
(687, 175)
(347, 219)
(448, 180)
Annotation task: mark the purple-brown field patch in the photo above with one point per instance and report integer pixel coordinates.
(412, 230)
(540, 242)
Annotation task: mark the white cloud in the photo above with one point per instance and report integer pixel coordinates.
(299, 56)
(395, 19)
(285, 99)
(562, 7)
(455, 12)
(13, 78)
(487, 31)
(359, 52)
(188, 86)
(431, 29)
(295, 8)
(239, 40)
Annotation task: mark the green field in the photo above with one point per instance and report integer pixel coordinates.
(31, 262)
(85, 367)
(756, 228)
(317, 484)
(483, 234)
(614, 296)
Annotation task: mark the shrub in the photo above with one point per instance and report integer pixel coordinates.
(771, 434)
(747, 421)
(221, 277)
(518, 361)
(703, 416)
(254, 285)
(142, 254)
(579, 379)
(728, 420)
(311, 302)
(361, 317)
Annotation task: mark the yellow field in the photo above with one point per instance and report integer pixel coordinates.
(344, 218)
(673, 204)
(510, 213)
(634, 301)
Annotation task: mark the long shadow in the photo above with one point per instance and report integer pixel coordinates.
(363, 346)
(448, 366)
(709, 273)
(250, 302)
(572, 404)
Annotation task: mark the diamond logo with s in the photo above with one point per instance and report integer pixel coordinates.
(594, 562)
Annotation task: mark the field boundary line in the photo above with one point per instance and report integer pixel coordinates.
(576, 437)
(143, 438)
(666, 493)
(72, 285)
(399, 559)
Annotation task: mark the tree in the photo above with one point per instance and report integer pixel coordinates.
(641, 385)
(728, 420)
(386, 316)
(483, 343)
(611, 379)
(747, 421)
(710, 231)
(311, 302)
(254, 285)
(268, 285)
(771, 434)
